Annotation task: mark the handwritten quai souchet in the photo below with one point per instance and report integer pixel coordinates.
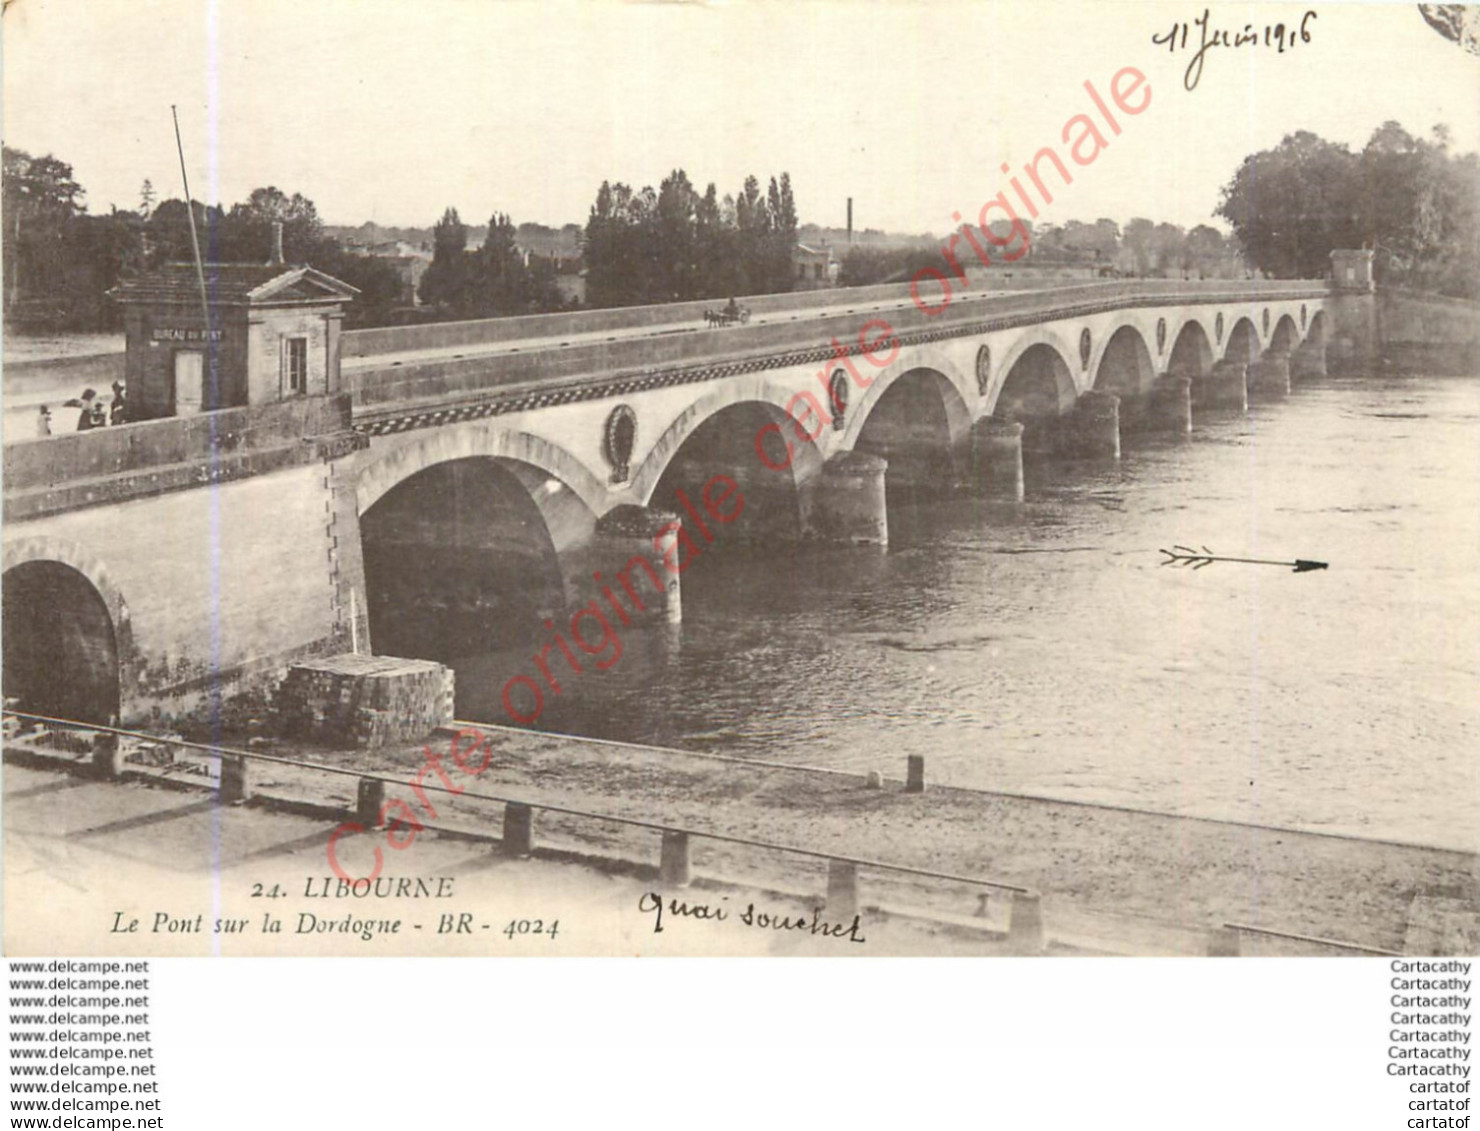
(653, 903)
(1281, 37)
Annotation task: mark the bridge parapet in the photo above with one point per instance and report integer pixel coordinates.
(109, 465)
(489, 331)
(474, 333)
(386, 397)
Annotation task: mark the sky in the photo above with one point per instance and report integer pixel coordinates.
(391, 110)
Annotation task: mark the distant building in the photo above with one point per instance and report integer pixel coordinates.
(273, 335)
(572, 286)
(814, 268)
(565, 262)
(409, 260)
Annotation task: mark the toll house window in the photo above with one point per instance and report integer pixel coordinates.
(295, 361)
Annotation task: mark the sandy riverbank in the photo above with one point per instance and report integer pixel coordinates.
(1168, 878)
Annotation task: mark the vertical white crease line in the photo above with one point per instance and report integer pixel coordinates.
(213, 193)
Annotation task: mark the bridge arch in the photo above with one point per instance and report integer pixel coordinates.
(467, 540)
(1125, 365)
(1036, 378)
(67, 637)
(382, 470)
(769, 403)
(963, 390)
(1316, 334)
(1243, 342)
(920, 424)
(1192, 351)
(1286, 335)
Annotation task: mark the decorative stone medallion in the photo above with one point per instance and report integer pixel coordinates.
(1161, 335)
(1302, 316)
(983, 369)
(1266, 321)
(618, 439)
(1084, 344)
(837, 392)
(1218, 329)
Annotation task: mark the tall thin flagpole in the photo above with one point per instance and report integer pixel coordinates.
(200, 271)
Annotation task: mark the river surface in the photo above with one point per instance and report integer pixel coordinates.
(1041, 648)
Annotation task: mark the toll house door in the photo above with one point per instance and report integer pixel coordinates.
(189, 382)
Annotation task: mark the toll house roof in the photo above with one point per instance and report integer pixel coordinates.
(235, 284)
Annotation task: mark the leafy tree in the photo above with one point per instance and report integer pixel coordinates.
(1207, 253)
(445, 283)
(168, 230)
(1407, 198)
(245, 235)
(781, 211)
(41, 200)
(753, 224)
(507, 280)
(715, 247)
(1168, 245)
(1137, 245)
(677, 265)
(612, 272)
(674, 244)
(1289, 206)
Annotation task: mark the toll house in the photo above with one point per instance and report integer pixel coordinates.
(273, 333)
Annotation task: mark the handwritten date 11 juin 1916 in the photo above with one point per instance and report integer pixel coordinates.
(1200, 34)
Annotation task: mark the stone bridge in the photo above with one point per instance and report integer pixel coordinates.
(458, 483)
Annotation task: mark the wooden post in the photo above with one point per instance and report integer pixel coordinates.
(842, 890)
(915, 775)
(107, 756)
(518, 829)
(236, 780)
(369, 802)
(1025, 923)
(673, 864)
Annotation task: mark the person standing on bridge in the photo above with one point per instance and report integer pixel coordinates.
(118, 410)
(43, 421)
(85, 418)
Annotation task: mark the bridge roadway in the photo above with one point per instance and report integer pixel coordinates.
(841, 305)
(29, 387)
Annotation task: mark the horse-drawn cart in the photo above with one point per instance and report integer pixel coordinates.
(727, 316)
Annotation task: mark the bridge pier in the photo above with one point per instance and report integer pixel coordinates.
(1270, 375)
(1225, 387)
(625, 534)
(1091, 429)
(997, 457)
(845, 501)
(1308, 360)
(1167, 408)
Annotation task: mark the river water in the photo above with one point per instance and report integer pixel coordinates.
(1040, 648)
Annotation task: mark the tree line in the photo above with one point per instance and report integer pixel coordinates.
(1412, 200)
(676, 244)
(60, 262)
(1141, 248)
(490, 281)
(1408, 199)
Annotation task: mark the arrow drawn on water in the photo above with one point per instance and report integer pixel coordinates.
(1183, 556)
